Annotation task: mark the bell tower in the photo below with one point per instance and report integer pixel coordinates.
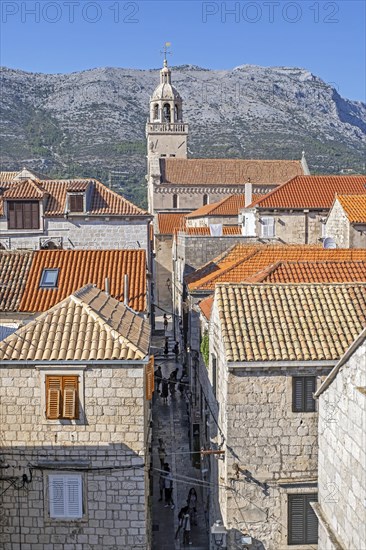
(165, 130)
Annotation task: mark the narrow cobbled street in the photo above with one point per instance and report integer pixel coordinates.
(171, 425)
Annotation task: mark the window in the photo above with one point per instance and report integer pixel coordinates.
(156, 112)
(302, 521)
(268, 229)
(303, 388)
(76, 203)
(62, 399)
(49, 278)
(65, 496)
(175, 201)
(166, 112)
(205, 200)
(23, 215)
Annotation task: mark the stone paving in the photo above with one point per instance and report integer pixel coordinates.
(170, 423)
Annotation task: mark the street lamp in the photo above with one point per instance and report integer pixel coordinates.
(219, 532)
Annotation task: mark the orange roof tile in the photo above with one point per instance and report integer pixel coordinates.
(80, 267)
(205, 306)
(239, 271)
(228, 171)
(14, 269)
(7, 176)
(103, 201)
(169, 223)
(312, 272)
(205, 231)
(315, 192)
(229, 206)
(304, 322)
(26, 189)
(354, 207)
(87, 326)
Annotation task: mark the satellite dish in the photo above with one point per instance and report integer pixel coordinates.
(329, 242)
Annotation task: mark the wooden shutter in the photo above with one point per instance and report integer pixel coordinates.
(53, 397)
(11, 215)
(56, 496)
(73, 493)
(34, 215)
(149, 384)
(65, 496)
(19, 224)
(298, 394)
(76, 203)
(302, 521)
(309, 390)
(70, 397)
(311, 520)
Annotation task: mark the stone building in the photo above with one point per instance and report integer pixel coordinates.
(346, 221)
(68, 214)
(177, 184)
(270, 348)
(75, 388)
(296, 211)
(342, 448)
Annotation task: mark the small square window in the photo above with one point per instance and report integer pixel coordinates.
(65, 496)
(49, 278)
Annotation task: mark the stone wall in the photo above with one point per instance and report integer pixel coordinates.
(111, 434)
(163, 271)
(342, 456)
(337, 226)
(78, 233)
(294, 227)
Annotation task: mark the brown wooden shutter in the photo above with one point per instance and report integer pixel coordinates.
(70, 397)
(150, 378)
(53, 397)
(34, 215)
(76, 203)
(11, 215)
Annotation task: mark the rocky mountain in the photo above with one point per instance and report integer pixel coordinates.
(93, 122)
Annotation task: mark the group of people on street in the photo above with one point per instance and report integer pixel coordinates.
(168, 385)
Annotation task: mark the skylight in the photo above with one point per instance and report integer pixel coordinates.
(49, 278)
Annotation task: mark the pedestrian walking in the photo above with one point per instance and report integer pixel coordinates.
(183, 383)
(168, 485)
(176, 350)
(173, 381)
(182, 511)
(164, 390)
(192, 505)
(165, 321)
(186, 528)
(158, 378)
(166, 347)
(161, 453)
(161, 485)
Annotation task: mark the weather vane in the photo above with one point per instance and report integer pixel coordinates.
(165, 51)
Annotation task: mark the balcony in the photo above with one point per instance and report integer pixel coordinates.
(161, 128)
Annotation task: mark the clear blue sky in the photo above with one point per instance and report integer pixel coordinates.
(59, 36)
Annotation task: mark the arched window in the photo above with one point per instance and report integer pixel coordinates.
(176, 112)
(166, 112)
(205, 199)
(175, 201)
(156, 112)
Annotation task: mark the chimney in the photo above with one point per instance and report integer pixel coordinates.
(248, 194)
(106, 286)
(125, 290)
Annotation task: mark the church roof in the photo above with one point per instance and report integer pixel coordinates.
(228, 171)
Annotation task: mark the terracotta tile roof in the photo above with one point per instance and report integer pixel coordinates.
(229, 206)
(104, 201)
(87, 326)
(314, 322)
(205, 231)
(312, 272)
(169, 223)
(205, 306)
(26, 189)
(240, 270)
(14, 269)
(354, 207)
(227, 171)
(314, 192)
(80, 267)
(7, 176)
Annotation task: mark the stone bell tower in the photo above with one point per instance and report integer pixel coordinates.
(165, 130)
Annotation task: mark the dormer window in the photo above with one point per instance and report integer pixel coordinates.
(49, 278)
(23, 214)
(76, 202)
